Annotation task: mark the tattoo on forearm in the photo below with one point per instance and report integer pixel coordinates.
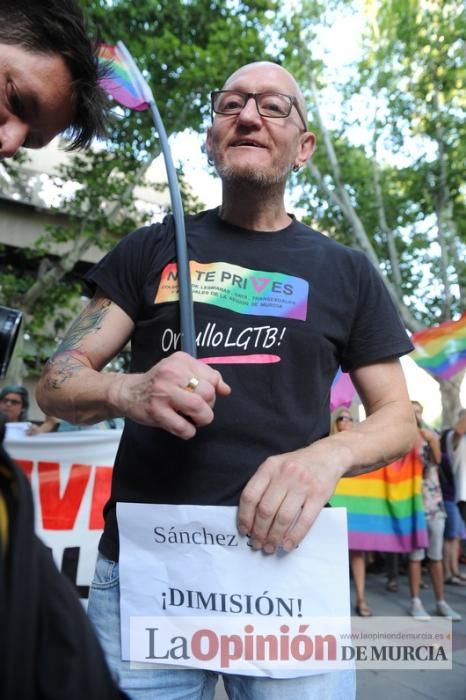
(65, 362)
(89, 320)
(60, 368)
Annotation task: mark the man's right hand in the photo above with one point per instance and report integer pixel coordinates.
(162, 397)
(74, 388)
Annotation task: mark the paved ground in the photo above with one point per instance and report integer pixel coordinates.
(416, 685)
(411, 685)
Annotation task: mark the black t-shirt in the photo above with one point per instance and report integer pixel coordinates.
(276, 313)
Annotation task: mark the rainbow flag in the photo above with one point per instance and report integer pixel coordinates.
(122, 79)
(385, 507)
(441, 350)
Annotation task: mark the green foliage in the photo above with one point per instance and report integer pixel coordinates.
(185, 49)
(411, 80)
(51, 316)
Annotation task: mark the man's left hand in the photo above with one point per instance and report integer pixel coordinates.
(281, 501)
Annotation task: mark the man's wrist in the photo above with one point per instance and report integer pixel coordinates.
(115, 394)
(330, 454)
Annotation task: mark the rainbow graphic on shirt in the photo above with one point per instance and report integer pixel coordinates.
(385, 507)
(239, 289)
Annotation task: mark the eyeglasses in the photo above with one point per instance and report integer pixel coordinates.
(269, 104)
(12, 402)
(345, 419)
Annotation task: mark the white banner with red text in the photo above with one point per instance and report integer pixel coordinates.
(70, 476)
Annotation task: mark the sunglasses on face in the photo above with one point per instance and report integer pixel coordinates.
(345, 419)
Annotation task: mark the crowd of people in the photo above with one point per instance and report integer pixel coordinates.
(254, 433)
(442, 457)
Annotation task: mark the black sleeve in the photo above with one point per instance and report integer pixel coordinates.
(48, 648)
(121, 274)
(377, 332)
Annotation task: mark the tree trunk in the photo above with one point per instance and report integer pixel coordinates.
(443, 207)
(342, 199)
(450, 393)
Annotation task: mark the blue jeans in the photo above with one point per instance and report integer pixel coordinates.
(150, 684)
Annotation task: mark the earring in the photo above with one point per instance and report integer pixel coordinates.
(296, 168)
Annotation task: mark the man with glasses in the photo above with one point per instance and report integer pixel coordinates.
(278, 307)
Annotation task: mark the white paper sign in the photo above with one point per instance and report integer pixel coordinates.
(195, 594)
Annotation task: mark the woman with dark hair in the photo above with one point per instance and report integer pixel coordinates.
(14, 403)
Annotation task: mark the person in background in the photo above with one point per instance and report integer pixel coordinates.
(456, 446)
(429, 446)
(14, 403)
(49, 425)
(454, 525)
(342, 419)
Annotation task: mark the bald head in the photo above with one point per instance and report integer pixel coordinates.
(276, 77)
(248, 146)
